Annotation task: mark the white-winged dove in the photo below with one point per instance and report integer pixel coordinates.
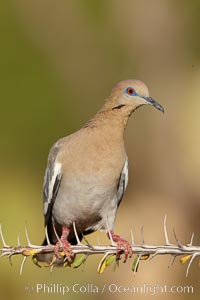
(87, 171)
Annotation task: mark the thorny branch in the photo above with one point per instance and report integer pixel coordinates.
(142, 251)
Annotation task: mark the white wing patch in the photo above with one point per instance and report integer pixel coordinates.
(123, 181)
(52, 174)
(125, 171)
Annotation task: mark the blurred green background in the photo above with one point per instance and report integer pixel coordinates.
(58, 63)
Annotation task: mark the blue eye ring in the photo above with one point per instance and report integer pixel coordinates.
(130, 91)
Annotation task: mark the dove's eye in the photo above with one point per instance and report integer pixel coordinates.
(130, 91)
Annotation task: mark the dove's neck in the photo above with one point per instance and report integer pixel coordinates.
(112, 119)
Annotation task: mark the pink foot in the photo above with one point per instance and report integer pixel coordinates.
(65, 245)
(122, 244)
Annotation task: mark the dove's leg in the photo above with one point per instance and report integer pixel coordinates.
(122, 245)
(64, 245)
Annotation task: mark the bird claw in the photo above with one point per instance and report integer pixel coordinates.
(122, 245)
(126, 247)
(67, 251)
(65, 245)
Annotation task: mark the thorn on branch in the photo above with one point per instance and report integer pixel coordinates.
(177, 240)
(27, 236)
(22, 265)
(190, 262)
(109, 234)
(154, 255)
(47, 236)
(76, 235)
(2, 237)
(18, 240)
(58, 239)
(191, 240)
(87, 242)
(165, 232)
(136, 264)
(142, 233)
(172, 262)
(132, 238)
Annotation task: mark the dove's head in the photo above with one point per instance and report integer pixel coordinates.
(131, 94)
